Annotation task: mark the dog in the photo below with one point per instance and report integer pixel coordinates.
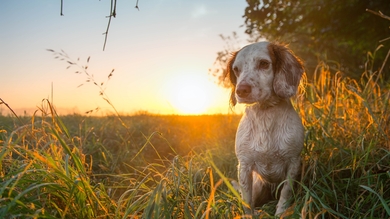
(270, 135)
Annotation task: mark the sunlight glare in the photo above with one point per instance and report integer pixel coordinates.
(190, 92)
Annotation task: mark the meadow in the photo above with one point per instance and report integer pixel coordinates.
(161, 166)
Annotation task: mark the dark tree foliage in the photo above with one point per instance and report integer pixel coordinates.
(341, 32)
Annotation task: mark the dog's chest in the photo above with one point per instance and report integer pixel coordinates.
(255, 134)
(263, 137)
(262, 144)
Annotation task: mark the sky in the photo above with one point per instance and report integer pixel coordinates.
(161, 54)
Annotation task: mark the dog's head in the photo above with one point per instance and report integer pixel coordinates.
(263, 70)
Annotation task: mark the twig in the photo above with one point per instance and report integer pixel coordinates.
(62, 6)
(380, 14)
(388, 38)
(112, 14)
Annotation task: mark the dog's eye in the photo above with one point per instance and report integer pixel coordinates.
(236, 71)
(263, 64)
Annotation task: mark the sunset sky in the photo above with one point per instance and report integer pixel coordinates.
(161, 54)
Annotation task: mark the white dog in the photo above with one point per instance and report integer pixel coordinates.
(270, 135)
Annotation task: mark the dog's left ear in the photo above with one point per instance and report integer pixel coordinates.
(288, 70)
(232, 78)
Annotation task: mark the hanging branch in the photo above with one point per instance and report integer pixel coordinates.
(112, 14)
(62, 6)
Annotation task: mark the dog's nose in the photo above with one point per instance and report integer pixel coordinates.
(243, 90)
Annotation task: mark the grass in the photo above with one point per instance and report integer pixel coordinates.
(154, 166)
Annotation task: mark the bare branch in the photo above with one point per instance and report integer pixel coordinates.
(112, 14)
(380, 14)
(62, 6)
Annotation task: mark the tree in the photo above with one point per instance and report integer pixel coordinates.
(336, 31)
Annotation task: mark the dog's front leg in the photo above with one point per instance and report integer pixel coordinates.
(285, 194)
(245, 177)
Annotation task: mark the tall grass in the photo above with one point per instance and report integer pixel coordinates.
(180, 167)
(347, 158)
(47, 172)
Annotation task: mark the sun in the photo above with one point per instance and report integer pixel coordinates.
(190, 93)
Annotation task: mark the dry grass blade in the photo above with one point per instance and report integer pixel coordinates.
(13, 112)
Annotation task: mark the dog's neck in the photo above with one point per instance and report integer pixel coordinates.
(270, 104)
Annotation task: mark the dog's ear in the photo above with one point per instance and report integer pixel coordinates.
(229, 73)
(288, 70)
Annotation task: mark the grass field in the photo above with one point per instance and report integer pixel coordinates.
(154, 166)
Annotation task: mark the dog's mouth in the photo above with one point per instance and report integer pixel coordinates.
(246, 100)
